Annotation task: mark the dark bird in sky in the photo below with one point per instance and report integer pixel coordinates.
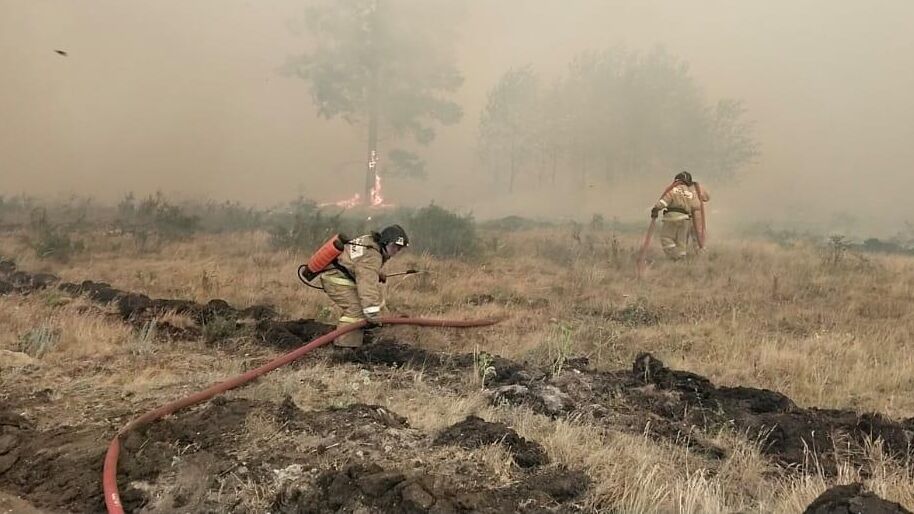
(61, 52)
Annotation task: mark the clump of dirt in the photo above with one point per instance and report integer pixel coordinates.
(474, 432)
(541, 397)
(21, 282)
(354, 420)
(852, 499)
(6, 267)
(370, 488)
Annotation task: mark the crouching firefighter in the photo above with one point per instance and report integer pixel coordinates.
(680, 203)
(352, 280)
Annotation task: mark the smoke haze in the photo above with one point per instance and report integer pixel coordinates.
(189, 98)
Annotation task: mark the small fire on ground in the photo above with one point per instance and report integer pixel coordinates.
(376, 197)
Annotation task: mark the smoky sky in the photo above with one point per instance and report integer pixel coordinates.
(188, 97)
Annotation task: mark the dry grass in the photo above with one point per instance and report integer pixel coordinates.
(745, 313)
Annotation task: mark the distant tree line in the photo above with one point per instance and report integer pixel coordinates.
(613, 115)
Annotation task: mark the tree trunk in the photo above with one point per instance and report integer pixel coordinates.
(513, 170)
(554, 163)
(371, 168)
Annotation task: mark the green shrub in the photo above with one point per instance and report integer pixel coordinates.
(230, 217)
(441, 232)
(306, 227)
(50, 241)
(154, 220)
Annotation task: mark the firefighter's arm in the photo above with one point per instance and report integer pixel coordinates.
(703, 193)
(664, 201)
(367, 269)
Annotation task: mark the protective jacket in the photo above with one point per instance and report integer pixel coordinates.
(681, 201)
(359, 268)
(680, 204)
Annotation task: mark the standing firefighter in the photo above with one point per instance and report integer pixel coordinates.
(680, 203)
(354, 278)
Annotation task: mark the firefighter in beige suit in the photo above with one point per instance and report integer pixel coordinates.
(679, 203)
(354, 280)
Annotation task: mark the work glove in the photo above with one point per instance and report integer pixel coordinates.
(372, 323)
(654, 213)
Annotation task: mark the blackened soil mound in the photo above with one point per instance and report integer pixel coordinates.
(134, 306)
(21, 282)
(852, 499)
(361, 488)
(392, 353)
(788, 431)
(474, 432)
(672, 403)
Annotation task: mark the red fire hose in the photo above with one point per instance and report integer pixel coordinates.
(644, 245)
(109, 473)
(700, 230)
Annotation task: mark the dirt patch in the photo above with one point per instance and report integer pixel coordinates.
(59, 469)
(211, 429)
(360, 488)
(392, 353)
(287, 335)
(474, 432)
(852, 499)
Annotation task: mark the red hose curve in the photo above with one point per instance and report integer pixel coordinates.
(109, 472)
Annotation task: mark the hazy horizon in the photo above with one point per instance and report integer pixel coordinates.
(188, 98)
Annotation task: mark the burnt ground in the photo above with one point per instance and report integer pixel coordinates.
(676, 406)
(214, 322)
(370, 486)
(475, 432)
(366, 457)
(852, 499)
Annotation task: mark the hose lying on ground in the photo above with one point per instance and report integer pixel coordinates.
(109, 472)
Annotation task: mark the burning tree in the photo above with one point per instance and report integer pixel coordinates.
(385, 65)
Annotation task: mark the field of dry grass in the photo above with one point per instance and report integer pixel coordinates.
(827, 331)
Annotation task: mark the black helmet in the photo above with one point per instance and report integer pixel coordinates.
(685, 177)
(393, 234)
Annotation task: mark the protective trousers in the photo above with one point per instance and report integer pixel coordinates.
(343, 292)
(674, 237)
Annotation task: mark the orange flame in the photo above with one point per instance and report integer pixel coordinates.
(376, 197)
(346, 204)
